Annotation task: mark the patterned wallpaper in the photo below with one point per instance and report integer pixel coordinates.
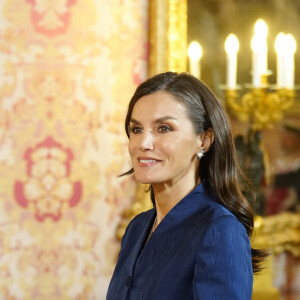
(67, 71)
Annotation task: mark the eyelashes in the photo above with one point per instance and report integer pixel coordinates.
(164, 128)
(135, 129)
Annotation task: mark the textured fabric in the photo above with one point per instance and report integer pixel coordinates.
(67, 71)
(198, 251)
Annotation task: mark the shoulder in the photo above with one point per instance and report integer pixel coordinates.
(206, 203)
(213, 212)
(211, 222)
(221, 220)
(224, 259)
(217, 221)
(225, 236)
(226, 227)
(203, 210)
(224, 233)
(220, 215)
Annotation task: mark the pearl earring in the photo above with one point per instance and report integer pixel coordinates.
(200, 154)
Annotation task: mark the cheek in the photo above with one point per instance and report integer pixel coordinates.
(185, 148)
(132, 146)
(176, 152)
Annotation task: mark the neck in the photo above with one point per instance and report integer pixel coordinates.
(168, 195)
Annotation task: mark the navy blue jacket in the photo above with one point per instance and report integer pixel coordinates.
(198, 251)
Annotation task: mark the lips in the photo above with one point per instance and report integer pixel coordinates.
(147, 161)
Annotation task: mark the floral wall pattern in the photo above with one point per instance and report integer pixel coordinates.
(67, 71)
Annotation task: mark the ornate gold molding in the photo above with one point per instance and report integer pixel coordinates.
(157, 36)
(260, 108)
(177, 35)
(279, 233)
(167, 36)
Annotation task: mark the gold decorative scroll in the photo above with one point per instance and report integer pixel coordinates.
(280, 233)
(259, 107)
(167, 36)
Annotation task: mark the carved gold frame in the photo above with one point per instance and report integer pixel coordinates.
(168, 48)
(167, 36)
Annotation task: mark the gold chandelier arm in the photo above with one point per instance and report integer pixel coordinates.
(260, 108)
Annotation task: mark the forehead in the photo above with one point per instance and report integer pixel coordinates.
(158, 104)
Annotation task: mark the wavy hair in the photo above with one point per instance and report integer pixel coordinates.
(219, 166)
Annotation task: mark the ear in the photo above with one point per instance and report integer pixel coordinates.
(207, 138)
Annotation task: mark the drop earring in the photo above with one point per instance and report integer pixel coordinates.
(200, 154)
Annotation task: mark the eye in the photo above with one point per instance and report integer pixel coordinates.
(135, 129)
(164, 128)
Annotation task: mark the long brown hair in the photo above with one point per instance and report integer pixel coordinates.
(219, 166)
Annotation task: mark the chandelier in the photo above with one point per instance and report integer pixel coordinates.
(263, 104)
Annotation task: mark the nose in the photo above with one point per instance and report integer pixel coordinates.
(147, 142)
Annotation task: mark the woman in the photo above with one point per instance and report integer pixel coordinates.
(194, 243)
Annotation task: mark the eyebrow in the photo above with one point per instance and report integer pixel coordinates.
(159, 120)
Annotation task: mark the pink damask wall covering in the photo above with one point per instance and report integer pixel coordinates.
(67, 71)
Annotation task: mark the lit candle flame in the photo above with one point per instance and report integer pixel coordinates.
(260, 52)
(231, 47)
(280, 42)
(232, 44)
(195, 51)
(261, 28)
(195, 54)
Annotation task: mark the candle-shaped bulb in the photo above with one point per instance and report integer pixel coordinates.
(232, 44)
(290, 44)
(256, 58)
(195, 54)
(280, 46)
(289, 61)
(280, 43)
(231, 47)
(260, 52)
(195, 51)
(261, 28)
(255, 44)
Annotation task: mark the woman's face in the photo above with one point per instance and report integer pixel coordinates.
(162, 142)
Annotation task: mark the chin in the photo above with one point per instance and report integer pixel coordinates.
(142, 178)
